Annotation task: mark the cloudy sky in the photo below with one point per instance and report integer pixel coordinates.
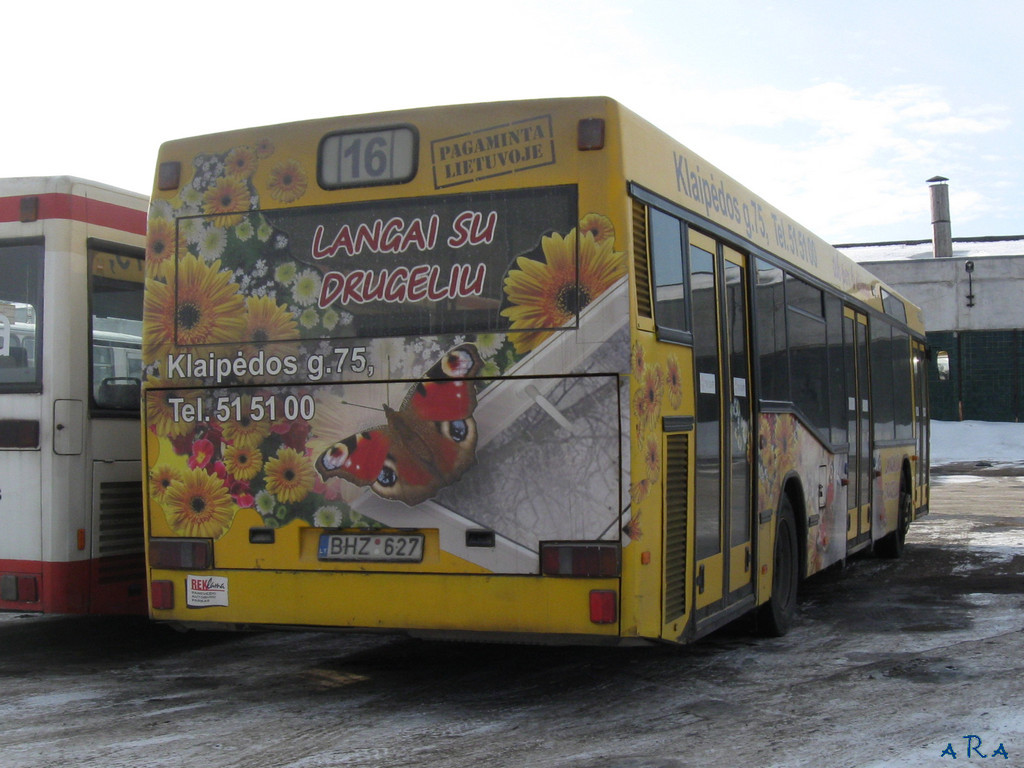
(836, 112)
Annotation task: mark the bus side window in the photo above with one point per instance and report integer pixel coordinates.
(670, 311)
(17, 358)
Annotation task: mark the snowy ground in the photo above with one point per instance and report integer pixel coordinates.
(890, 663)
(967, 442)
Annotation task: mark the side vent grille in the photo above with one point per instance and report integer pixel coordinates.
(120, 533)
(641, 266)
(676, 462)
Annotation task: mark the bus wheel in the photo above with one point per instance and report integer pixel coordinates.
(892, 546)
(776, 616)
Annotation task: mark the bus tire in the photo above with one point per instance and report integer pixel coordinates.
(776, 616)
(892, 546)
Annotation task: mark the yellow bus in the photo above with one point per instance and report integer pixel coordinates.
(526, 370)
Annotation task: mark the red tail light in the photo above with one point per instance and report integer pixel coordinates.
(163, 594)
(192, 554)
(604, 604)
(577, 558)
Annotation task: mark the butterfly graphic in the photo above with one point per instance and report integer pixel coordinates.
(428, 443)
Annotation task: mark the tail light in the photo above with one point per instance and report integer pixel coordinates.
(580, 558)
(604, 604)
(163, 595)
(193, 554)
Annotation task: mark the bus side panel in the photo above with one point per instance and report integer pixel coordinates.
(117, 573)
(21, 544)
(790, 450)
(886, 490)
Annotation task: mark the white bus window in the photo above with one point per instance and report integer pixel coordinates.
(21, 292)
(116, 300)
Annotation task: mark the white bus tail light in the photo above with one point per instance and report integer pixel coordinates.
(580, 558)
(181, 554)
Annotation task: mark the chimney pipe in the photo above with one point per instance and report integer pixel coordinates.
(942, 234)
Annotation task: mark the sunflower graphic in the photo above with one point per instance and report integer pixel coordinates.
(290, 476)
(160, 247)
(241, 162)
(246, 432)
(287, 181)
(160, 413)
(161, 477)
(549, 293)
(208, 309)
(267, 321)
(225, 199)
(243, 462)
(198, 505)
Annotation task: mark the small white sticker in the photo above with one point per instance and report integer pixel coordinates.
(739, 387)
(707, 384)
(204, 591)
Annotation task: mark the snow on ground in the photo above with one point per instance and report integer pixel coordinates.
(976, 441)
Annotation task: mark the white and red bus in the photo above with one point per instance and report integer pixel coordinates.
(71, 279)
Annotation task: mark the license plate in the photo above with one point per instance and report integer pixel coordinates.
(371, 547)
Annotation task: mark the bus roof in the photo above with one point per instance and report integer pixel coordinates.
(649, 158)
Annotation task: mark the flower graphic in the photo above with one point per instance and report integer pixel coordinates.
(202, 453)
(160, 248)
(674, 383)
(287, 181)
(240, 162)
(290, 475)
(328, 517)
(264, 147)
(267, 321)
(243, 462)
(599, 226)
(647, 399)
(160, 412)
(198, 505)
(161, 477)
(548, 294)
(307, 287)
(208, 309)
(638, 490)
(652, 458)
(246, 431)
(226, 201)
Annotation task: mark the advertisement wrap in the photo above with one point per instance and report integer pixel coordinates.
(444, 365)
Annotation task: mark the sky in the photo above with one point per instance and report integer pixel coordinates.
(835, 112)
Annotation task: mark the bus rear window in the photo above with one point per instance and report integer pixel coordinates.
(472, 263)
(116, 283)
(21, 299)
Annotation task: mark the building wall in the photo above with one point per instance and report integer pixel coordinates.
(975, 324)
(984, 376)
(941, 288)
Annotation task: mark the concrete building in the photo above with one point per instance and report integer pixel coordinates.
(973, 301)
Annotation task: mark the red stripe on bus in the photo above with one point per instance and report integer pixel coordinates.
(77, 587)
(57, 205)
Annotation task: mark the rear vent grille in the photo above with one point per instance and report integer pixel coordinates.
(641, 267)
(676, 470)
(120, 518)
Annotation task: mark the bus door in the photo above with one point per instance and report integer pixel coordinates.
(922, 423)
(723, 507)
(858, 470)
